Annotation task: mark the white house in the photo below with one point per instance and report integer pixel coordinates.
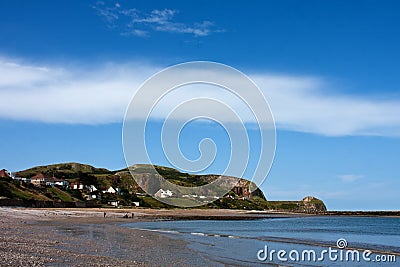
(114, 203)
(49, 182)
(92, 188)
(92, 196)
(22, 179)
(61, 183)
(164, 193)
(77, 186)
(110, 190)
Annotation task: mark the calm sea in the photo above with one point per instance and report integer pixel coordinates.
(302, 240)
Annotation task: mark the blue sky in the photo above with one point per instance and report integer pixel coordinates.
(329, 70)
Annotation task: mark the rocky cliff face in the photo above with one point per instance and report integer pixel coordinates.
(308, 204)
(151, 180)
(312, 205)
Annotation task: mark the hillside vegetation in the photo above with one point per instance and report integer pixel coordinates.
(130, 194)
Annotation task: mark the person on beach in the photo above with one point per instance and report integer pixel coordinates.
(105, 214)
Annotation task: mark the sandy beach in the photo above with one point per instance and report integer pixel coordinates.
(83, 237)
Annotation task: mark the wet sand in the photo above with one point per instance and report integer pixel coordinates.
(83, 237)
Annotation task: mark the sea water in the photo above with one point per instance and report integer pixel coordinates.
(348, 241)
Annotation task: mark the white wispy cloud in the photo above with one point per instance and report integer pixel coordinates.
(100, 94)
(68, 95)
(310, 104)
(131, 21)
(109, 14)
(350, 177)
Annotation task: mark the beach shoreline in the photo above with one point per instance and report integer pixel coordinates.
(75, 237)
(95, 237)
(56, 237)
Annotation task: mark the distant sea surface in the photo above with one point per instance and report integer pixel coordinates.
(238, 242)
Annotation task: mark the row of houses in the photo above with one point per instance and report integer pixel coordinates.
(161, 193)
(42, 180)
(89, 192)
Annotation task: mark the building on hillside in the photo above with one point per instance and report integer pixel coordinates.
(91, 188)
(92, 195)
(161, 193)
(77, 186)
(110, 190)
(52, 181)
(49, 181)
(60, 182)
(22, 179)
(41, 180)
(114, 203)
(38, 179)
(4, 173)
